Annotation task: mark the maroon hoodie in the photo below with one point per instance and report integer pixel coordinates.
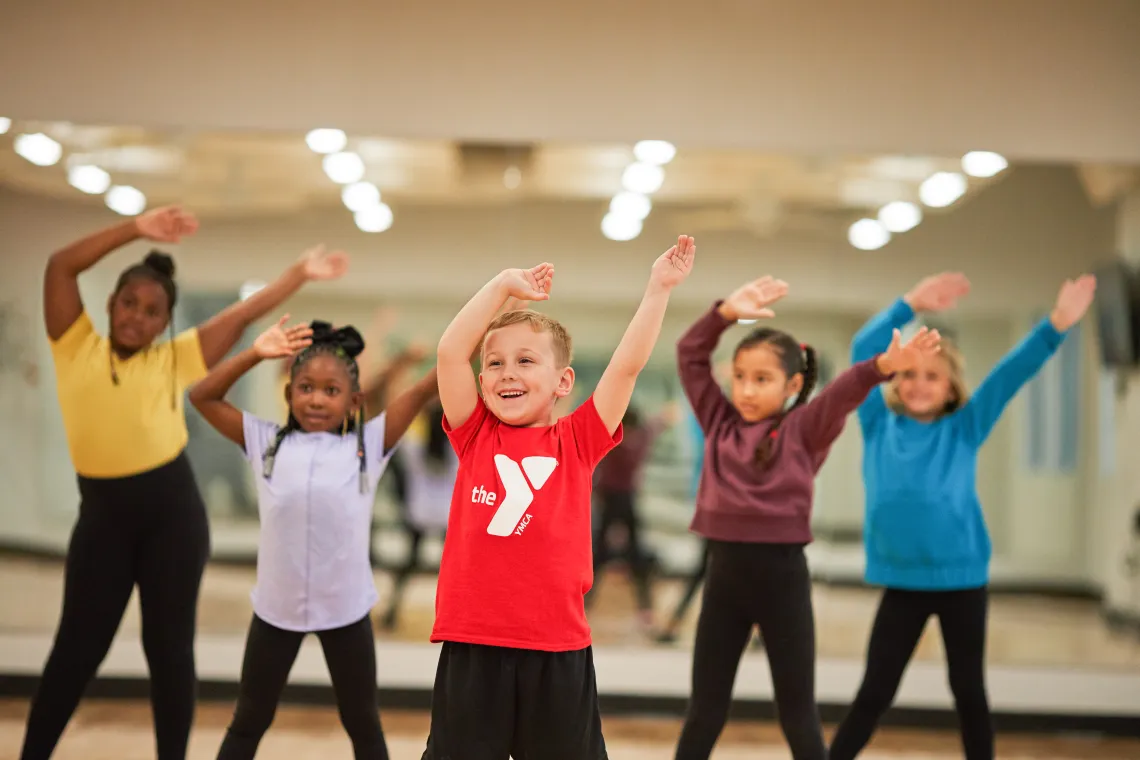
(738, 500)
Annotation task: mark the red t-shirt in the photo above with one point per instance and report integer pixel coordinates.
(517, 560)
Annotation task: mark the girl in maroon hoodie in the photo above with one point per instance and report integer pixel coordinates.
(763, 449)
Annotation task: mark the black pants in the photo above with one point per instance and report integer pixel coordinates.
(269, 655)
(495, 703)
(148, 530)
(754, 584)
(898, 626)
(619, 508)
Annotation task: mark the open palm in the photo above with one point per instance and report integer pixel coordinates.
(938, 292)
(168, 224)
(532, 284)
(1073, 301)
(751, 300)
(320, 264)
(903, 356)
(279, 341)
(672, 267)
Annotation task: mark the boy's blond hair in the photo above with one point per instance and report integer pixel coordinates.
(956, 365)
(539, 322)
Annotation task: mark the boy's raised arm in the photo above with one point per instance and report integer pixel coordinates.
(457, 392)
(611, 398)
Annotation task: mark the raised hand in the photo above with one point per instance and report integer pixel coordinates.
(529, 284)
(280, 341)
(672, 267)
(1073, 302)
(903, 356)
(752, 299)
(938, 292)
(319, 264)
(168, 224)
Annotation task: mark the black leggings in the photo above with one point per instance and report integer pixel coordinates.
(898, 626)
(754, 584)
(148, 530)
(269, 655)
(619, 508)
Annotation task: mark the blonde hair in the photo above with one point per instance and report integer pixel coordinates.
(956, 366)
(539, 322)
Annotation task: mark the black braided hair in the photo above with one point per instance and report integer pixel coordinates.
(156, 267)
(437, 443)
(345, 344)
(796, 359)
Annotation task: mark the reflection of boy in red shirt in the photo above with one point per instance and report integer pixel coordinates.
(516, 673)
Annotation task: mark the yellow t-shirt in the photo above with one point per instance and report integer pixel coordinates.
(119, 430)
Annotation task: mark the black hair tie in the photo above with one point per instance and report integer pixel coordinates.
(346, 338)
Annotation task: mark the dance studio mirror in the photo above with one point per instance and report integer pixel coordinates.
(427, 222)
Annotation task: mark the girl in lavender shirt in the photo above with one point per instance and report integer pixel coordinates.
(316, 480)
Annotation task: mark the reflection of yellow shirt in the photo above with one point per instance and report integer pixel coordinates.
(119, 430)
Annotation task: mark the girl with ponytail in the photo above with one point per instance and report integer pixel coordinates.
(142, 522)
(763, 448)
(316, 481)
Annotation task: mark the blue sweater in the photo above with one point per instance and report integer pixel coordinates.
(924, 528)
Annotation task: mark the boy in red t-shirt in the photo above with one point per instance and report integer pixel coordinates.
(516, 673)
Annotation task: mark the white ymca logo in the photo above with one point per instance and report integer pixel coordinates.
(518, 491)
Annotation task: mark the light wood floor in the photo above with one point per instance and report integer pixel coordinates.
(122, 731)
(1023, 630)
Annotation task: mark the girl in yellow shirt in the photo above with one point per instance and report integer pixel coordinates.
(141, 518)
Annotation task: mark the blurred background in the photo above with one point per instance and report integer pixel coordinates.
(850, 149)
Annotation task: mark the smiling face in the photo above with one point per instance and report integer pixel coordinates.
(925, 390)
(524, 373)
(139, 311)
(321, 395)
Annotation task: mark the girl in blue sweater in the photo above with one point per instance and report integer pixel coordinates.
(924, 533)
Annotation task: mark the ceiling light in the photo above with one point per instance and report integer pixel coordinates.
(360, 195)
(633, 205)
(656, 152)
(5, 124)
(983, 163)
(39, 149)
(89, 179)
(343, 168)
(326, 140)
(868, 235)
(376, 218)
(125, 200)
(900, 216)
(249, 287)
(941, 189)
(642, 178)
(620, 228)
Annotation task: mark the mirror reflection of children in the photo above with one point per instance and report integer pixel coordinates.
(617, 483)
(430, 467)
